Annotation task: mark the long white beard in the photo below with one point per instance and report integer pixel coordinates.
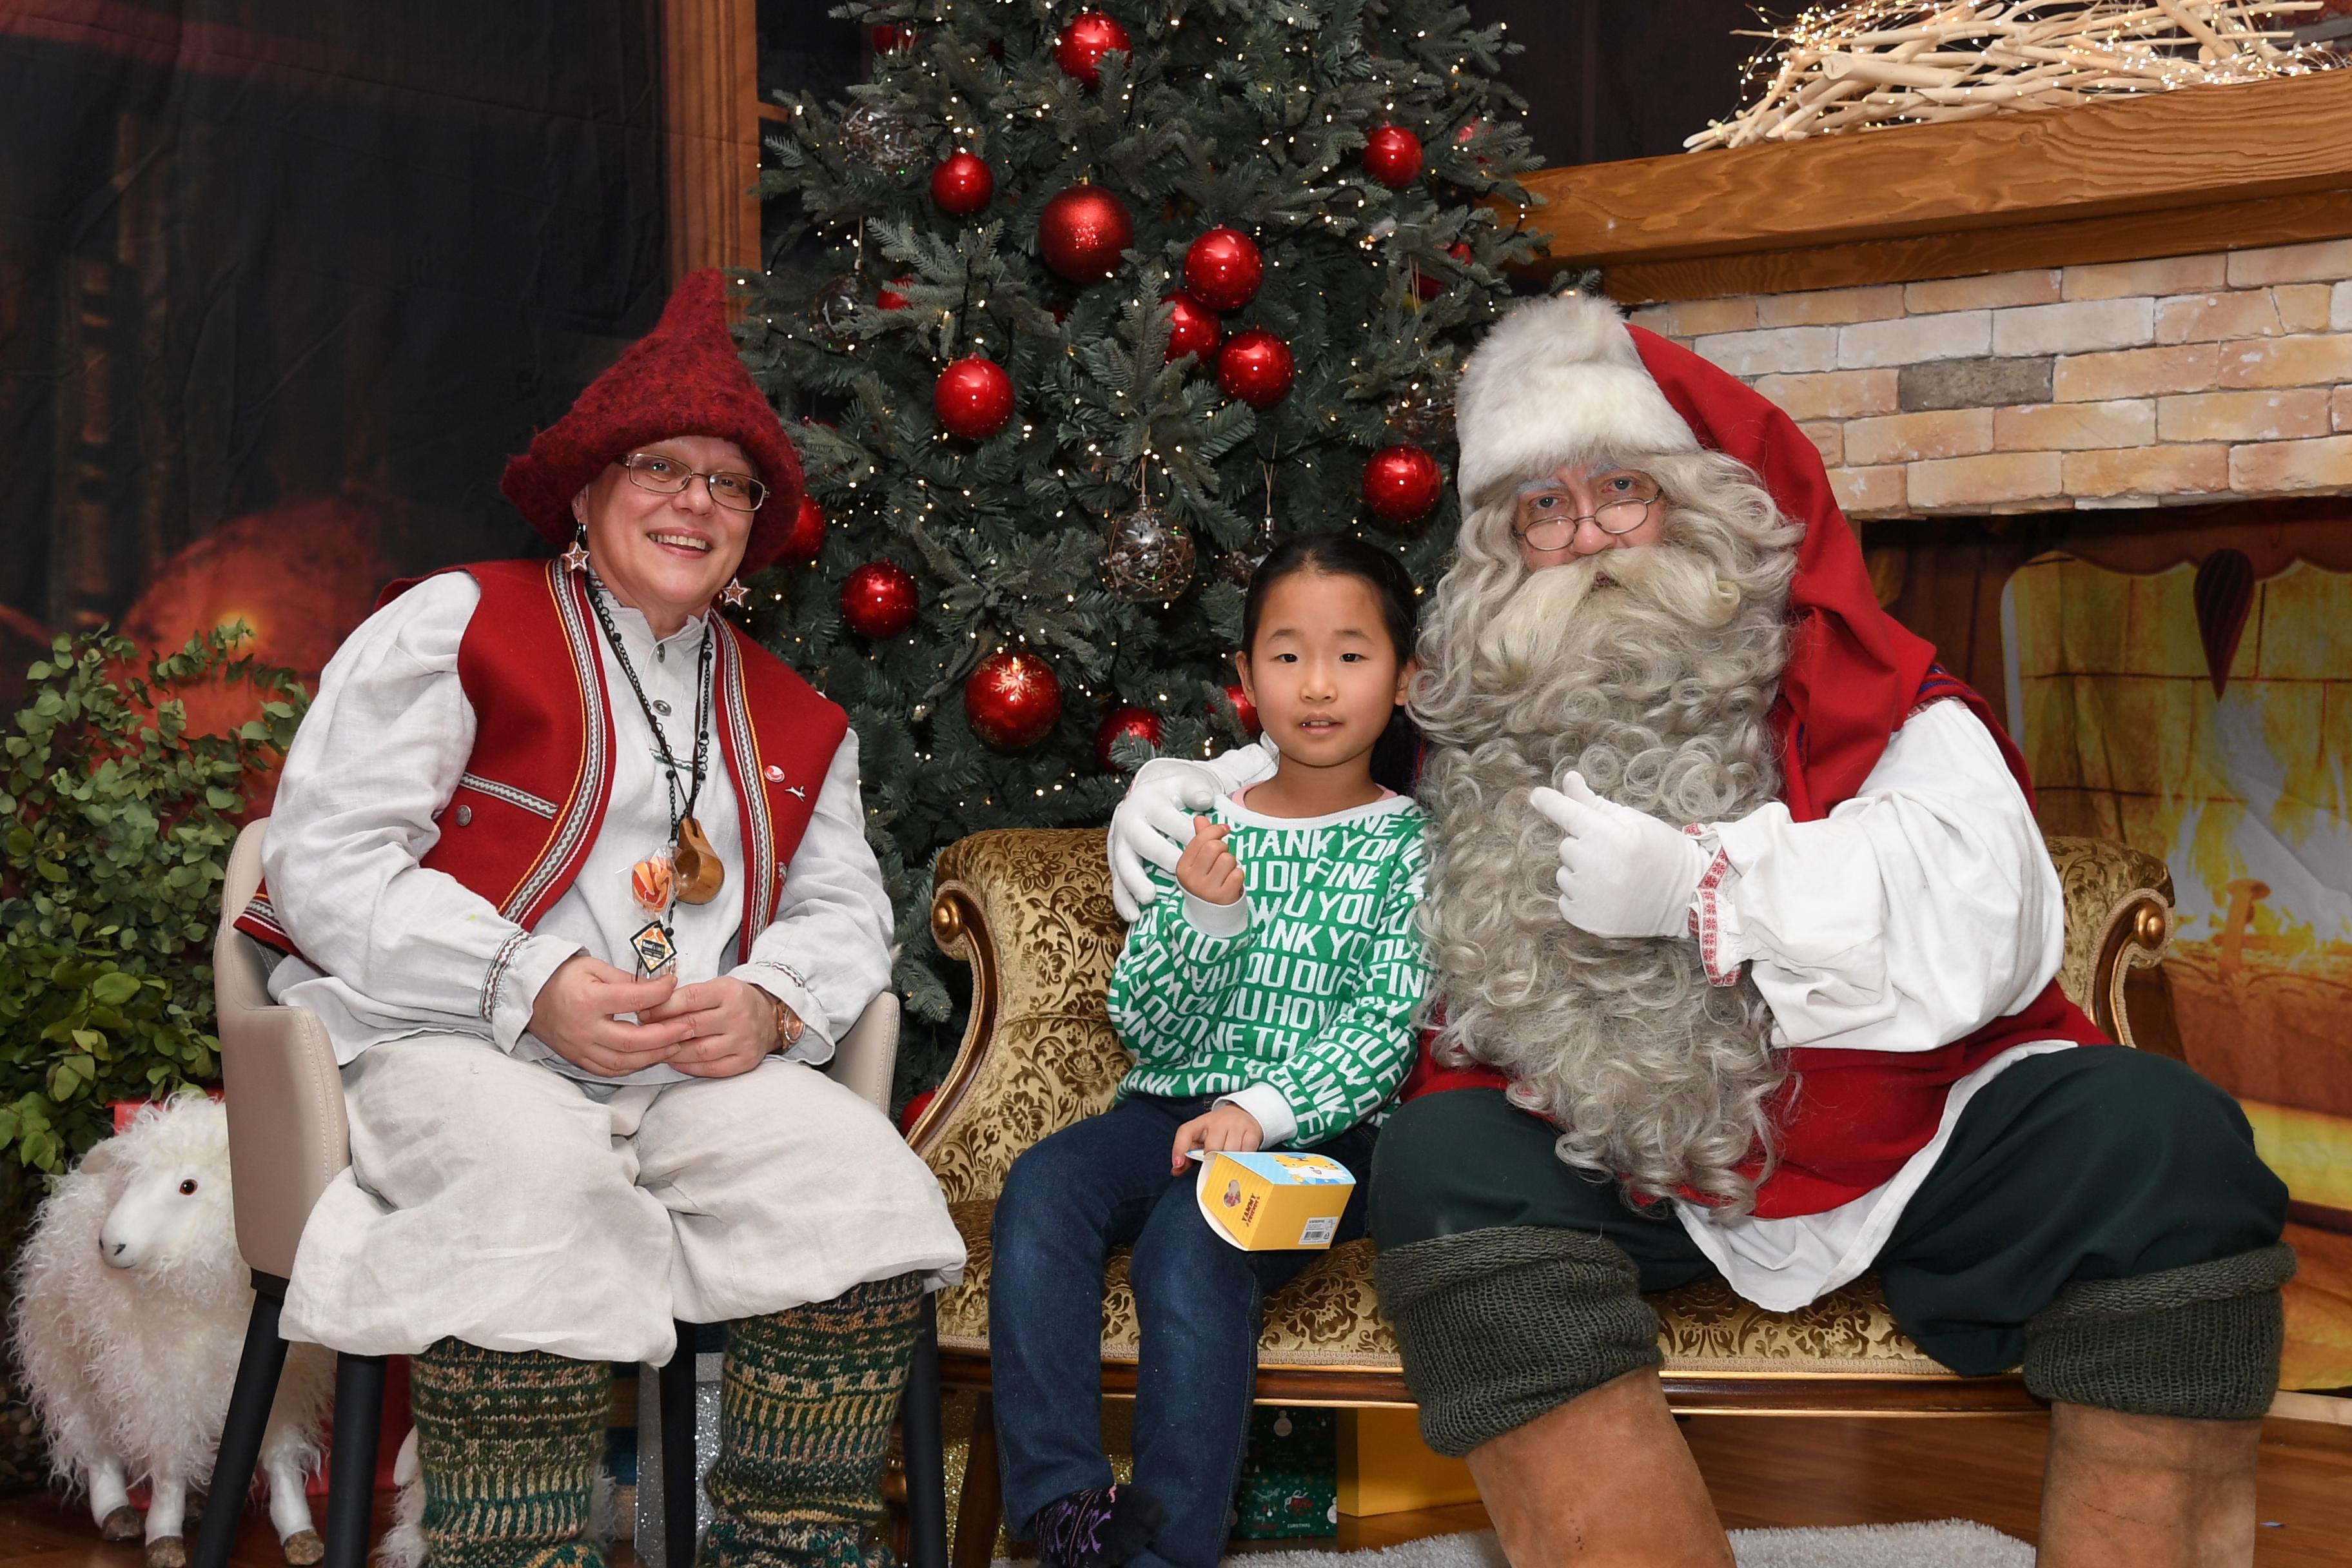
(1653, 676)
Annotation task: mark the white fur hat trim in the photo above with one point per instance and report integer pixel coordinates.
(1557, 379)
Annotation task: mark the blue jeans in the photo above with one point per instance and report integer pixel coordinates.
(1066, 1202)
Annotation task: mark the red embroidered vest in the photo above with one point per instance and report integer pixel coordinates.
(1847, 1120)
(533, 795)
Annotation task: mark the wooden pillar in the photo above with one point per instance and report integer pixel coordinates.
(710, 133)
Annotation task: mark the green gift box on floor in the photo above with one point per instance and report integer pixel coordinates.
(1290, 1475)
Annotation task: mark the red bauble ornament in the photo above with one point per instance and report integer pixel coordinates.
(879, 600)
(806, 537)
(1243, 709)
(1428, 285)
(1392, 156)
(1126, 718)
(1082, 44)
(1402, 482)
(1193, 329)
(961, 184)
(1012, 699)
(973, 397)
(1082, 232)
(1255, 366)
(889, 37)
(888, 297)
(1222, 268)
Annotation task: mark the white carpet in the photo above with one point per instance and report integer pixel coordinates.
(1946, 1543)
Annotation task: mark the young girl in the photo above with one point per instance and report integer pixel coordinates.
(1271, 1004)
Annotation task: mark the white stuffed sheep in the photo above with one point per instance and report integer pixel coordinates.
(131, 1316)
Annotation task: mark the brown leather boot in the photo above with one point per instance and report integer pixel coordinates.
(1603, 1481)
(2147, 1491)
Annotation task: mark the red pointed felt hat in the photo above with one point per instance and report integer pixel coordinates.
(683, 378)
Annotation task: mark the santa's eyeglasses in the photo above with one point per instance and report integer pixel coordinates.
(1547, 519)
(667, 476)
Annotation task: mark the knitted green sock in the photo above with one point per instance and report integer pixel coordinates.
(509, 1442)
(804, 1415)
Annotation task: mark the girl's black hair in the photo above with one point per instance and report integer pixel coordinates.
(1396, 756)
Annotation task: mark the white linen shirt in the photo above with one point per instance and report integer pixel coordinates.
(391, 950)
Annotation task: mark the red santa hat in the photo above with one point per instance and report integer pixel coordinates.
(683, 378)
(1566, 379)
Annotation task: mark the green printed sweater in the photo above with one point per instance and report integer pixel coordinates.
(1297, 1002)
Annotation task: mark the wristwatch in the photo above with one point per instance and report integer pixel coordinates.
(789, 1025)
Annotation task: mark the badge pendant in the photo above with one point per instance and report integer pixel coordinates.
(652, 882)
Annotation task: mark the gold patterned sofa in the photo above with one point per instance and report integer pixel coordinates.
(1030, 912)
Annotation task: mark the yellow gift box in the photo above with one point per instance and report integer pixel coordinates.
(1274, 1201)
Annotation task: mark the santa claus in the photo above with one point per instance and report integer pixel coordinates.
(1749, 944)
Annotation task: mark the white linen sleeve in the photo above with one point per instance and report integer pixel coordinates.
(375, 762)
(827, 953)
(1913, 914)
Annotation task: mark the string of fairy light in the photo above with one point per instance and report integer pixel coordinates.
(1881, 63)
(875, 500)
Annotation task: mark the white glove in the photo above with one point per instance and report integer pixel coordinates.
(1155, 821)
(1622, 873)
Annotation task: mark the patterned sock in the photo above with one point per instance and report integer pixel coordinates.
(509, 1442)
(804, 1414)
(1097, 1527)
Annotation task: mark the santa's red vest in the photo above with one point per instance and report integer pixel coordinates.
(534, 790)
(1847, 1120)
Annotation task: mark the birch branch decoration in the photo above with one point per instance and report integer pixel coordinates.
(1911, 62)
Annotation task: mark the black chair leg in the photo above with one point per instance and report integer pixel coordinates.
(257, 1370)
(925, 1448)
(681, 1486)
(351, 1480)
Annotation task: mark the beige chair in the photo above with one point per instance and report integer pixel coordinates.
(1030, 912)
(288, 1139)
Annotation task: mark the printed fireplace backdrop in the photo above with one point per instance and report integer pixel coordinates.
(2203, 712)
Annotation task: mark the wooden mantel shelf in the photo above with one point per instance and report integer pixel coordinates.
(2209, 168)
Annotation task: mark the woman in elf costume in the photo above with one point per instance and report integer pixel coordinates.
(576, 876)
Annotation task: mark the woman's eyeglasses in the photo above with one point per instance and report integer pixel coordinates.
(668, 477)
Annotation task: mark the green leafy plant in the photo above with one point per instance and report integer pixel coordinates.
(120, 822)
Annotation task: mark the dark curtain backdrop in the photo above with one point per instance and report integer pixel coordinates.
(283, 282)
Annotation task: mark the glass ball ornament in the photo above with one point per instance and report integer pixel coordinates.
(1243, 710)
(1222, 268)
(1392, 156)
(1083, 233)
(1256, 367)
(1401, 483)
(961, 184)
(1079, 47)
(1193, 328)
(1424, 416)
(1147, 555)
(879, 600)
(835, 310)
(1012, 699)
(1124, 720)
(883, 137)
(806, 537)
(973, 397)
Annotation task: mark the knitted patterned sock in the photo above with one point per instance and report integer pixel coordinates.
(1098, 1527)
(805, 1414)
(509, 1442)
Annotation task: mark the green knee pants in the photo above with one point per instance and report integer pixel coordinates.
(2099, 1214)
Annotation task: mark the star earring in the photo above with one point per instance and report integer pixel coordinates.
(735, 594)
(576, 558)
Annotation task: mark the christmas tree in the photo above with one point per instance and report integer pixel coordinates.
(1117, 296)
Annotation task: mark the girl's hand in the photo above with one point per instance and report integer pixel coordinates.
(1228, 1127)
(1207, 869)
